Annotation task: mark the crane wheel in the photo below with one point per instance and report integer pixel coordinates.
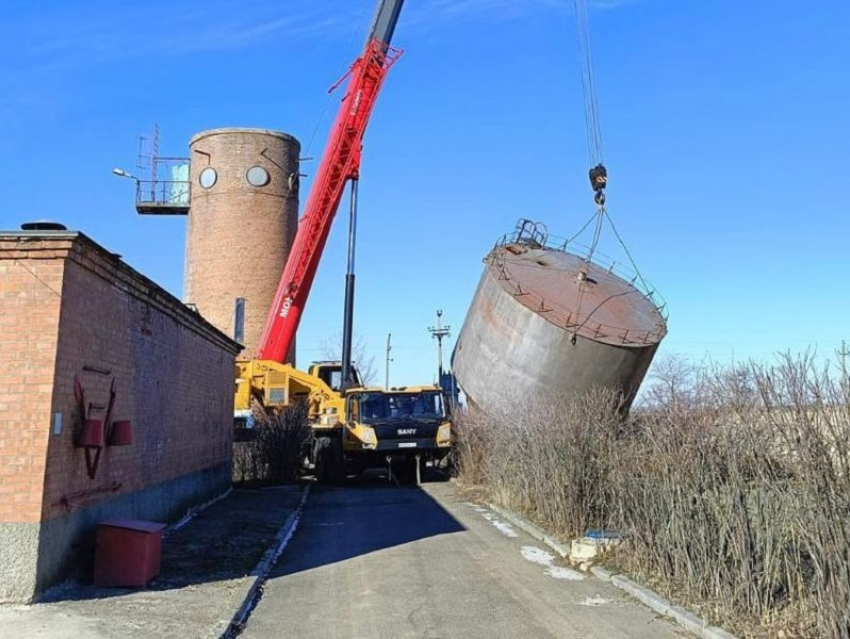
(337, 473)
(321, 450)
(329, 462)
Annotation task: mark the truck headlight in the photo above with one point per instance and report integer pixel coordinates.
(367, 435)
(444, 435)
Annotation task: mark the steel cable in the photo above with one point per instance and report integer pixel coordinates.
(591, 107)
(356, 30)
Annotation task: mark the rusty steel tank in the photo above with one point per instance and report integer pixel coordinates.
(546, 322)
(241, 226)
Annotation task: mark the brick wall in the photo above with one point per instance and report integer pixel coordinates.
(238, 236)
(30, 293)
(77, 311)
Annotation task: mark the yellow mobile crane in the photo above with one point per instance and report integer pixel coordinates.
(354, 427)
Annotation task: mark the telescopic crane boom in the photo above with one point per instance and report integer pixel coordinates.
(340, 163)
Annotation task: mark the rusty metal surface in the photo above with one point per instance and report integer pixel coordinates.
(577, 295)
(548, 323)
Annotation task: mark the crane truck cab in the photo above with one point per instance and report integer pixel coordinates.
(401, 429)
(330, 372)
(353, 429)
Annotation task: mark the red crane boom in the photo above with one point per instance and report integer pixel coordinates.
(340, 163)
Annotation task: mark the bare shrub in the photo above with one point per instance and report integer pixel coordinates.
(469, 452)
(274, 451)
(331, 349)
(731, 485)
(545, 458)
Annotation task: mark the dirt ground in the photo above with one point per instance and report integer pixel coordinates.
(204, 577)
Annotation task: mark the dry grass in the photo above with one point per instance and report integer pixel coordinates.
(732, 487)
(273, 453)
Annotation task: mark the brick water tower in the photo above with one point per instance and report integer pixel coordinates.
(242, 209)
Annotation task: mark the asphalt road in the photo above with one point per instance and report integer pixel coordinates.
(373, 561)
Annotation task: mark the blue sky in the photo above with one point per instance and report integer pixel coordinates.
(726, 127)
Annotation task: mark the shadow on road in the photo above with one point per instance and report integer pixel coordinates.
(366, 515)
(227, 540)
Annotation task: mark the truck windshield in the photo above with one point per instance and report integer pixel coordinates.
(383, 406)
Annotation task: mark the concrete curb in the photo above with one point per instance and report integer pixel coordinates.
(687, 620)
(531, 529)
(601, 573)
(656, 602)
(191, 513)
(261, 571)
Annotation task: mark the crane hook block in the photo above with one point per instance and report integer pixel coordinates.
(598, 178)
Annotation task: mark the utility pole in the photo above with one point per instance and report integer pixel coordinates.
(439, 333)
(389, 359)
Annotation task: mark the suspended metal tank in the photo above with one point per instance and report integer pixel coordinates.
(547, 322)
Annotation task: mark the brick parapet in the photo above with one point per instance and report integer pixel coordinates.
(89, 254)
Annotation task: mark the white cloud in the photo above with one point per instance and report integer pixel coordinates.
(83, 34)
(498, 10)
(604, 5)
(95, 34)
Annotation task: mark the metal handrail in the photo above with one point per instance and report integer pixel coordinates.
(163, 192)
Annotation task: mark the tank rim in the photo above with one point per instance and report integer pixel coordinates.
(256, 131)
(592, 330)
(600, 260)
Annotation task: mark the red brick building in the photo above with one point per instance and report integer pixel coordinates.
(70, 310)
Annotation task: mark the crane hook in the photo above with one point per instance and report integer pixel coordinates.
(599, 180)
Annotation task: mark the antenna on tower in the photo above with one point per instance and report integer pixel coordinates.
(144, 156)
(154, 159)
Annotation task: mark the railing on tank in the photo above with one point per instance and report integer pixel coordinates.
(532, 233)
(168, 196)
(537, 236)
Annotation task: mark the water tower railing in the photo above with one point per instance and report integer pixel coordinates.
(170, 192)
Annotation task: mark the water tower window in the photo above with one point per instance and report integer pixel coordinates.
(257, 176)
(208, 177)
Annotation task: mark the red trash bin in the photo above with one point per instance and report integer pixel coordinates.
(128, 552)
